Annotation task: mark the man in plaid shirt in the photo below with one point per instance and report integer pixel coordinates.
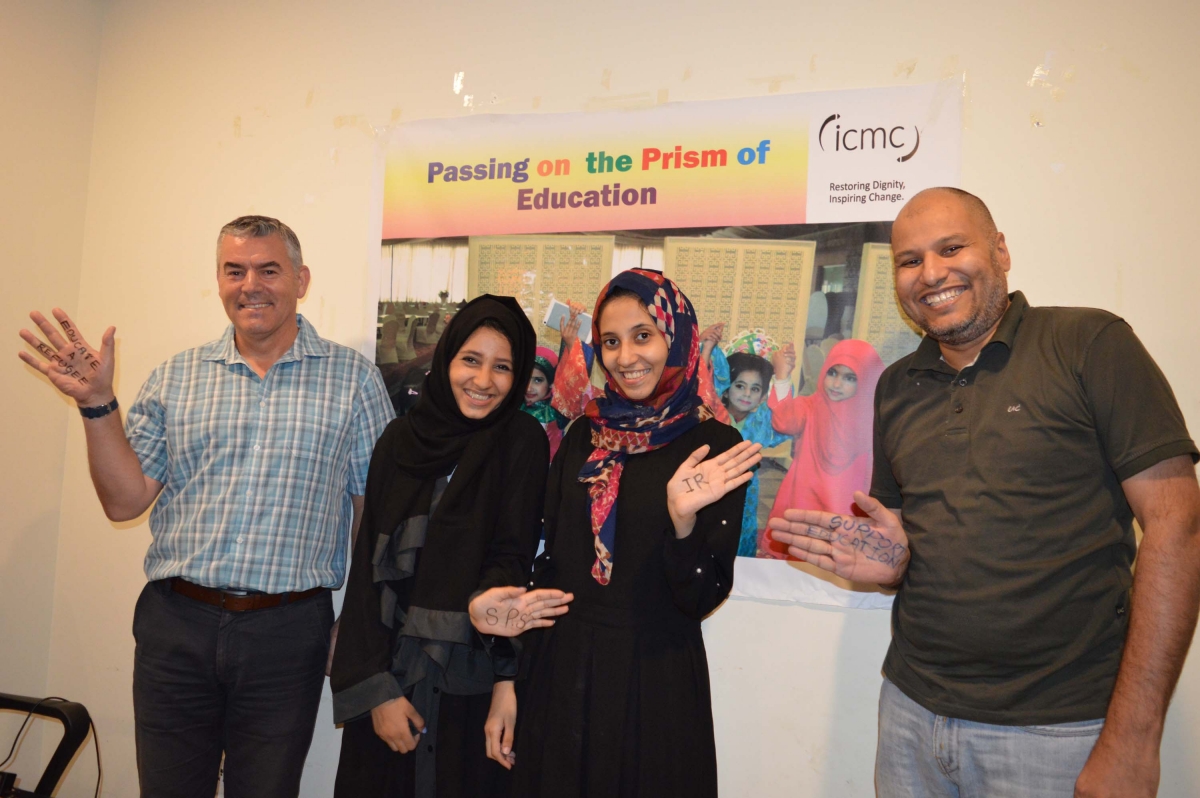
(253, 450)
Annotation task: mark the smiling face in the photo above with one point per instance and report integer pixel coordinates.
(259, 287)
(538, 388)
(481, 373)
(745, 394)
(633, 350)
(841, 383)
(951, 269)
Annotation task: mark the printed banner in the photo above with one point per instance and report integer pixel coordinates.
(784, 159)
(772, 213)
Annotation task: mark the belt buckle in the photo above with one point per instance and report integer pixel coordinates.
(225, 594)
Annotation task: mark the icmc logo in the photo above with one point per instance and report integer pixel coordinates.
(852, 138)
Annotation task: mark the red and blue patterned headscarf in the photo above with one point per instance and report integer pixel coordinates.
(621, 427)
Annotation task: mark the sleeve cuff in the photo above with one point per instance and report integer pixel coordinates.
(686, 562)
(1156, 456)
(783, 388)
(682, 552)
(156, 472)
(887, 500)
(153, 464)
(365, 696)
(505, 653)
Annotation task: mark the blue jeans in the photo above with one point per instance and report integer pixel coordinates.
(923, 755)
(208, 681)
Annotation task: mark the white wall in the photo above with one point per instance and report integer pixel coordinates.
(49, 57)
(206, 111)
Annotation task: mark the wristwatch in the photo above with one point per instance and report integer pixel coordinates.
(99, 412)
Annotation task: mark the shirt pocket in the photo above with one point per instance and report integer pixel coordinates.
(1034, 445)
(314, 427)
(192, 432)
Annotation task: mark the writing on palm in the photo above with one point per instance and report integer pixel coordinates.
(856, 536)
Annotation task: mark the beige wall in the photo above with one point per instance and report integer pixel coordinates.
(49, 57)
(206, 111)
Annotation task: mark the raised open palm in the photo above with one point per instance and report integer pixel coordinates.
(508, 611)
(698, 483)
(873, 549)
(72, 366)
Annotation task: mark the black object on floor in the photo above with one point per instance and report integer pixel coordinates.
(75, 720)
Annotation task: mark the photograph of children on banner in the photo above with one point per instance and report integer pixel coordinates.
(798, 323)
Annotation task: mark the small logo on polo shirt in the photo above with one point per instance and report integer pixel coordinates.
(1014, 408)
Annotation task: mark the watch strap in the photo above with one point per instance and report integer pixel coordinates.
(99, 412)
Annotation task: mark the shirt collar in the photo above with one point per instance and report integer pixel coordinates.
(929, 354)
(1006, 333)
(307, 344)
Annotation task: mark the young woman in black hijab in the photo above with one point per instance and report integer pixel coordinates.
(453, 510)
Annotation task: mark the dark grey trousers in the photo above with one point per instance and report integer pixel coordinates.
(207, 681)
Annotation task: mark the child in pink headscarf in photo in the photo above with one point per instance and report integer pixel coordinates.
(831, 456)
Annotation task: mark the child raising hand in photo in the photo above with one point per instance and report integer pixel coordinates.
(742, 378)
(831, 457)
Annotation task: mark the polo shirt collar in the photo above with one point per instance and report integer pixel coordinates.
(929, 354)
(307, 344)
(1006, 333)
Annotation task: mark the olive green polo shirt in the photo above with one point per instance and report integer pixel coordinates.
(1013, 608)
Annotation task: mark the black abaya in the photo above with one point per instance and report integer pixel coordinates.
(425, 546)
(616, 700)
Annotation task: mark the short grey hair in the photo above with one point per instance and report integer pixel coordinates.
(261, 227)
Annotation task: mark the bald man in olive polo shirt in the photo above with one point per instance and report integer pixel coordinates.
(1013, 451)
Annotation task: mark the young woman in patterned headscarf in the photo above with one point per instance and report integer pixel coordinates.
(643, 509)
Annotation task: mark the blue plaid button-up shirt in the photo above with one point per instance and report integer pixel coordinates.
(257, 473)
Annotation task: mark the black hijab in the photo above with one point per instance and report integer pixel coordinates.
(436, 434)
